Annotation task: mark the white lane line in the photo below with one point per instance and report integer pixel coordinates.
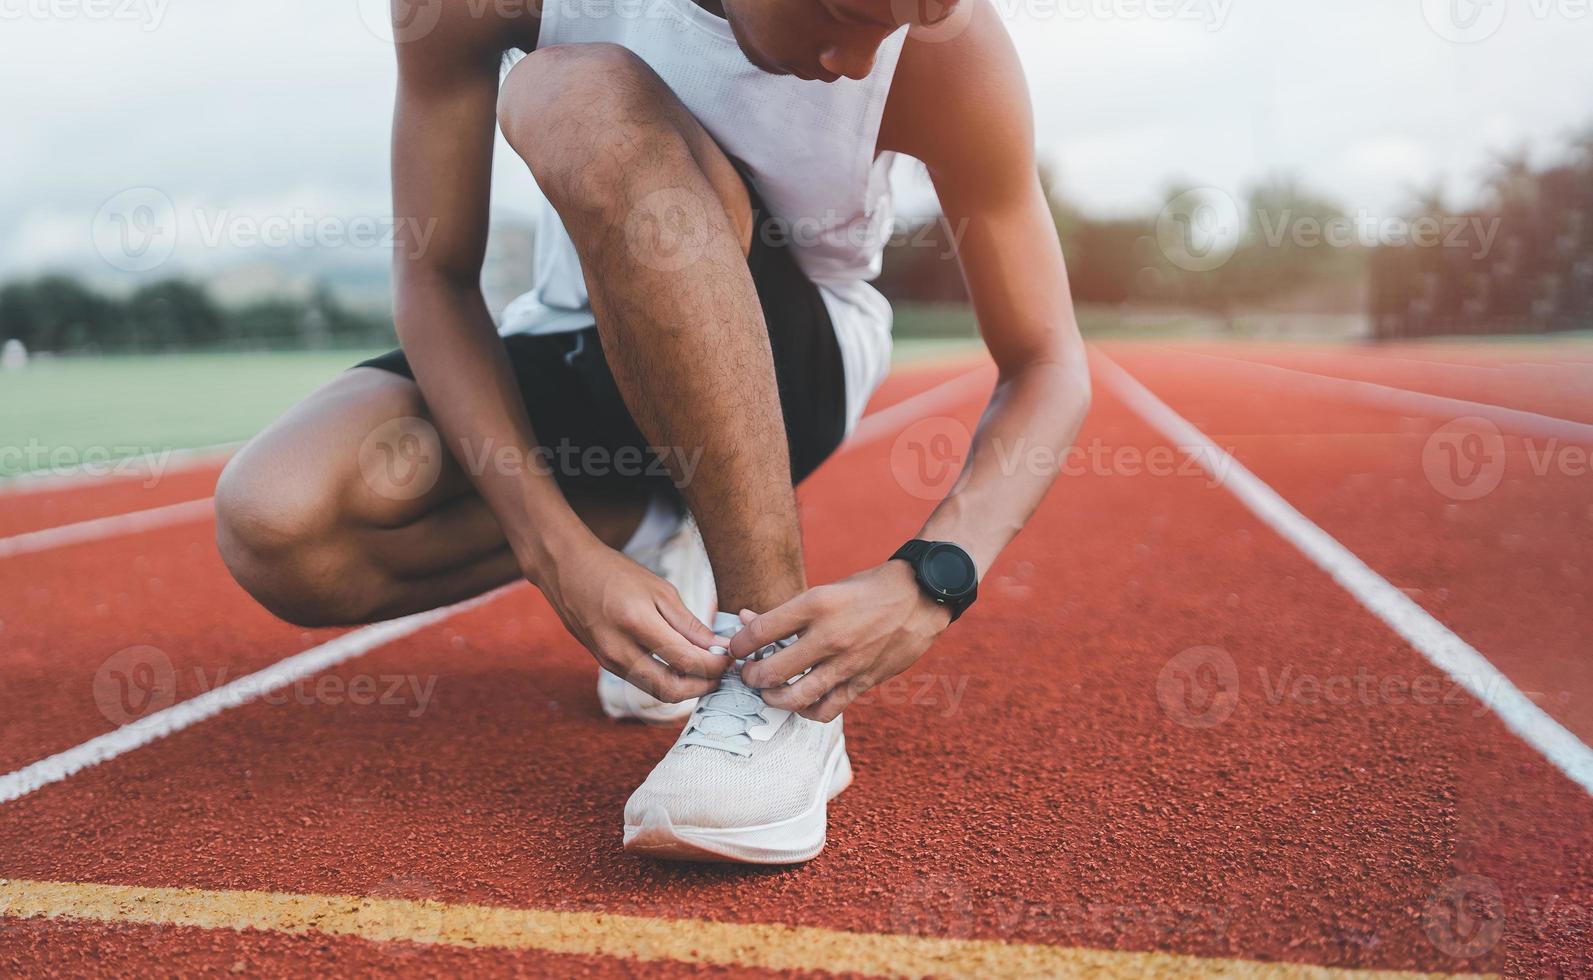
(873, 427)
(1557, 372)
(887, 421)
(284, 672)
(248, 688)
(151, 467)
(1432, 639)
(1403, 400)
(100, 528)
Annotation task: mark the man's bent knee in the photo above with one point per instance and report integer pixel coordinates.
(573, 86)
(586, 118)
(281, 542)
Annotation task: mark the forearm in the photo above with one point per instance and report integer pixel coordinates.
(464, 376)
(1031, 421)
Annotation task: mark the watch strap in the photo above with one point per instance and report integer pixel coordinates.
(911, 551)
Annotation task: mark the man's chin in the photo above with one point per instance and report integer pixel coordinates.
(765, 66)
(816, 75)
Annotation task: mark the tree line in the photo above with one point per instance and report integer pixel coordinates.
(1139, 260)
(59, 313)
(1522, 263)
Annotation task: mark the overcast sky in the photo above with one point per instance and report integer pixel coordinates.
(282, 108)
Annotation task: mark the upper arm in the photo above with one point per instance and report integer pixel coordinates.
(962, 107)
(444, 123)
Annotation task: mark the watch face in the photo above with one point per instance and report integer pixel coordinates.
(948, 570)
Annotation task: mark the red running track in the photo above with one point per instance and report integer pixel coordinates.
(1509, 571)
(73, 619)
(1044, 775)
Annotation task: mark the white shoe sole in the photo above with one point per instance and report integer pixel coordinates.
(791, 841)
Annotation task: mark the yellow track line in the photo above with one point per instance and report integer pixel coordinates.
(773, 947)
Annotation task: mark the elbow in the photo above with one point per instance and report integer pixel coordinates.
(1083, 387)
(1074, 361)
(423, 281)
(1068, 363)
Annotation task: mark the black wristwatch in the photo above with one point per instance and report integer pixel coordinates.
(945, 573)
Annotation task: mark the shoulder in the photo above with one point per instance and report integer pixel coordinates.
(959, 93)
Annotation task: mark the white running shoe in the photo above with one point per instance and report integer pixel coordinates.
(744, 782)
(682, 561)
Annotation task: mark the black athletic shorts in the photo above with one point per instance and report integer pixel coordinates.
(589, 438)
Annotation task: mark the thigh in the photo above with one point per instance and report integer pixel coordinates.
(361, 449)
(583, 405)
(587, 439)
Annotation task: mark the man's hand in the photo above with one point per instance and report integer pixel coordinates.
(624, 614)
(854, 635)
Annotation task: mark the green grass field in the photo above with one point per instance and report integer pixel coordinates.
(129, 405)
(122, 406)
(59, 408)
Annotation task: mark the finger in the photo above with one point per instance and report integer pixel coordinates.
(829, 707)
(795, 697)
(683, 622)
(776, 624)
(662, 682)
(661, 640)
(786, 663)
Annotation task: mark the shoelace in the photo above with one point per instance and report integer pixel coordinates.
(725, 716)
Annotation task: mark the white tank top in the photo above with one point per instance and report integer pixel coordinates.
(810, 149)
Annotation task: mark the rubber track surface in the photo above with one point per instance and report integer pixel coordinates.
(1030, 780)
